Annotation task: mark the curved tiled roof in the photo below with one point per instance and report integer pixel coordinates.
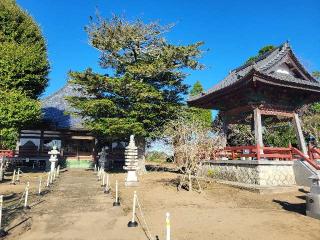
(263, 65)
(55, 108)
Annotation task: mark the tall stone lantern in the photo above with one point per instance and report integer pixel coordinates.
(131, 163)
(53, 158)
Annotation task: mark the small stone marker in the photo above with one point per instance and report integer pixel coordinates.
(131, 162)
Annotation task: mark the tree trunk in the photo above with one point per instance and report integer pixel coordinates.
(190, 181)
(141, 144)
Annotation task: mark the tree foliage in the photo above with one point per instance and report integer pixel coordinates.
(202, 115)
(262, 51)
(144, 87)
(16, 111)
(192, 142)
(23, 71)
(23, 57)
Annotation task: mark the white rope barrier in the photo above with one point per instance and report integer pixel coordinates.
(149, 235)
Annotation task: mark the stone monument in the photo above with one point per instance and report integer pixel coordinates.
(53, 158)
(131, 163)
(103, 158)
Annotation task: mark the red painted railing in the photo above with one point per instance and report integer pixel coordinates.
(6, 153)
(272, 153)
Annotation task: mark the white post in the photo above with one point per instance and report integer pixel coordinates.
(2, 231)
(106, 189)
(117, 191)
(58, 170)
(51, 177)
(1, 202)
(54, 174)
(117, 202)
(40, 182)
(48, 179)
(26, 196)
(95, 168)
(13, 177)
(18, 175)
(133, 223)
(103, 179)
(168, 233)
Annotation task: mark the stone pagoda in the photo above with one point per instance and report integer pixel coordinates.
(131, 163)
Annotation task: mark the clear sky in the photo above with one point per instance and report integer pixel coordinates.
(232, 30)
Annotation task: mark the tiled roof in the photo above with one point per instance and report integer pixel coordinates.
(263, 65)
(55, 106)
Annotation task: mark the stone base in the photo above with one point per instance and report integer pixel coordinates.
(261, 189)
(131, 183)
(3, 233)
(132, 224)
(252, 172)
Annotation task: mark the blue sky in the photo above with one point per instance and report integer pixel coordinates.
(231, 30)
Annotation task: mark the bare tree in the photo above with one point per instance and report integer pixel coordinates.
(192, 142)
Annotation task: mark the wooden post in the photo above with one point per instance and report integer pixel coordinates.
(258, 127)
(299, 133)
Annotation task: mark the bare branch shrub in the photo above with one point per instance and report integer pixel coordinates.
(192, 143)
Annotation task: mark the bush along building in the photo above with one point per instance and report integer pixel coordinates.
(78, 146)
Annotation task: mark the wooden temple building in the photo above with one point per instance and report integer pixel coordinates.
(78, 146)
(275, 84)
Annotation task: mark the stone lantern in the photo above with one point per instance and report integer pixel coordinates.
(53, 158)
(131, 163)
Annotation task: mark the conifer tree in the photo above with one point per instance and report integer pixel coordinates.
(144, 86)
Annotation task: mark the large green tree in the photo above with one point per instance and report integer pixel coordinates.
(144, 86)
(23, 70)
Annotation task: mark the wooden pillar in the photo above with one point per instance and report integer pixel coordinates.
(257, 127)
(299, 133)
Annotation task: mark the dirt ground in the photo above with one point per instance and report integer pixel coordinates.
(76, 208)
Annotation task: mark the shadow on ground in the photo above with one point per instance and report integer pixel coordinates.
(292, 207)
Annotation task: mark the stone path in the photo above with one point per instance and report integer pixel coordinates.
(78, 209)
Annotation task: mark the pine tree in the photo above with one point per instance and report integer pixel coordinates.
(144, 88)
